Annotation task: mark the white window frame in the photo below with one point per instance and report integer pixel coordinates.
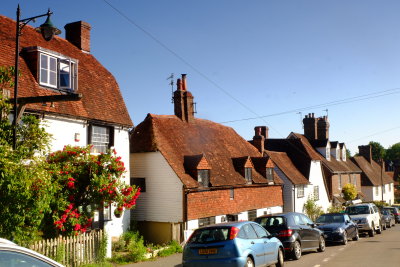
(72, 66)
(316, 192)
(48, 70)
(100, 146)
(300, 191)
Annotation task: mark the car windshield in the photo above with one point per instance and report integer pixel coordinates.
(385, 212)
(271, 221)
(357, 210)
(330, 219)
(210, 235)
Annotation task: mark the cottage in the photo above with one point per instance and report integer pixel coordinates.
(194, 172)
(375, 183)
(59, 68)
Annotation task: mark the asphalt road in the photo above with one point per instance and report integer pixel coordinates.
(380, 250)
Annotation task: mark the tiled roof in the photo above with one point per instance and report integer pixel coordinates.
(284, 163)
(372, 173)
(102, 99)
(335, 166)
(176, 139)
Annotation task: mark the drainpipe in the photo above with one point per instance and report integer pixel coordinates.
(294, 198)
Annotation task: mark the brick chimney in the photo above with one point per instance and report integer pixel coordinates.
(366, 152)
(322, 128)
(260, 134)
(183, 101)
(310, 126)
(78, 34)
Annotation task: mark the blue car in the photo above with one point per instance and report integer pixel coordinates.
(232, 244)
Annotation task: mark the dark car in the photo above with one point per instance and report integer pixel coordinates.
(337, 227)
(395, 211)
(388, 218)
(296, 231)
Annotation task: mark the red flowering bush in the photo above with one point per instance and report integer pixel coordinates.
(83, 182)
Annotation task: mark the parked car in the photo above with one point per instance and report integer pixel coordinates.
(367, 217)
(14, 255)
(296, 231)
(232, 244)
(337, 227)
(388, 218)
(395, 211)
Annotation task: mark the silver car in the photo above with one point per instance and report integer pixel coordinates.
(13, 255)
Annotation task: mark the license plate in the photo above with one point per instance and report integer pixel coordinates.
(207, 251)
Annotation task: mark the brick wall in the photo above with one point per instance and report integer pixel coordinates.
(218, 202)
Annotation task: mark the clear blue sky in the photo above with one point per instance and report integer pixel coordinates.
(246, 59)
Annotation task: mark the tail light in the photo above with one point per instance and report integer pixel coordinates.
(397, 214)
(285, 233)
(233, 233)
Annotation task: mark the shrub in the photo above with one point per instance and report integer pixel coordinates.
(335, 209)
(136, 247)
(349, 192)
(173, 247)
(312, 209)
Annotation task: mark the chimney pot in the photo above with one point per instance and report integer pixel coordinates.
(184, 88)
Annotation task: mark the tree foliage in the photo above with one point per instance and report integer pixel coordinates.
(378, 151)
(349, 192)
(312, 209)
(393, 153)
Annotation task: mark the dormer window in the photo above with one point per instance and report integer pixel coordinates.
(327, 153)
(56, 72)
(203, 177)
(247, 174)
(52, 69)
(270, 175)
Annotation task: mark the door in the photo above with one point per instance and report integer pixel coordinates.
(252, 242)
(311, 233)
(270, 247)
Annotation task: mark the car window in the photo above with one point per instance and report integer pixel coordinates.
(297, 219)
(347, 217)
(11, 258)
(209, 235)
(249, 231)
(261, 232)
(375, 209)
(354, 210)
(272, 221)
(305, 219)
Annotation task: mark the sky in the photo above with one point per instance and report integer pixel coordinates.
(250, 63)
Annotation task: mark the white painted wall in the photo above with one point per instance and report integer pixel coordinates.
(370, 193)
(316, 178)
(162, 201)
(64, 130)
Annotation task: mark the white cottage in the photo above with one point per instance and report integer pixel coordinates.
(77, 100)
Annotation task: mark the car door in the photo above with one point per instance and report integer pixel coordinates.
(270, 247)
(254, 243)
(301, 228)
(350, 226)
(312, 234)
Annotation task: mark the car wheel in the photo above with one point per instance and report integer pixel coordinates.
(357, 236)
(379, 230)
(321, 247)
(280, 262)
(371, 232)
(296, 253)
(344, 242)
(249, 262)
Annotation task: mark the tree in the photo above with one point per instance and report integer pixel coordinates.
(312, 209)
(84, 182)
(378, 151)
(393, 153)
(349, 192)
(24, 182)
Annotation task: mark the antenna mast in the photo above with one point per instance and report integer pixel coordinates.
(301, 119)
(326, 110)
(171, 77)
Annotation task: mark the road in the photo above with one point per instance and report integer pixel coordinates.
(380, 250)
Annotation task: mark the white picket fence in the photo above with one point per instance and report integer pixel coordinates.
(71, 251)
